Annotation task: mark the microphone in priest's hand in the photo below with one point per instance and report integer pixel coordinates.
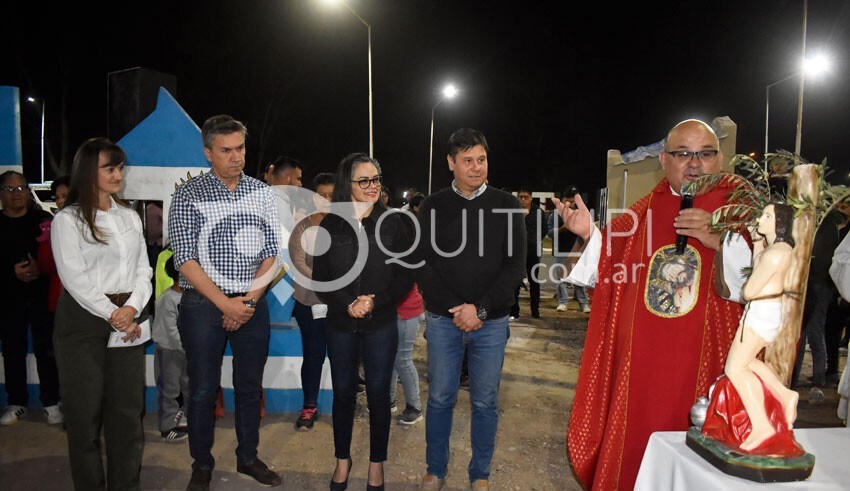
(687, 202)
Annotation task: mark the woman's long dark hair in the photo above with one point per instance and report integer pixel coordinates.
(344, 173)
(83, 191)
(784, 217)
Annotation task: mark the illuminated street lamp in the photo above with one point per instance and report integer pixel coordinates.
(811, 67)
(369, 54)
(449, 92)
(35, 101)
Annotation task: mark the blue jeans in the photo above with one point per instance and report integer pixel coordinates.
(314, 346)
(486, 348)
(404, 367)
(204, 340)
(580, 292)
(377, 349)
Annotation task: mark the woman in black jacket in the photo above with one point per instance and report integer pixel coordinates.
(362, 289)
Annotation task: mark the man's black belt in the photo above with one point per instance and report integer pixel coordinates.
(237, 294)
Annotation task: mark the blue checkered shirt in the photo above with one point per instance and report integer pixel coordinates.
(228, 233)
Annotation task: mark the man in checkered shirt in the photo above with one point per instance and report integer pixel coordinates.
(226, 236)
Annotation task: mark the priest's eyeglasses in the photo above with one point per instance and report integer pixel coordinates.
(685, 156)
(365, 183)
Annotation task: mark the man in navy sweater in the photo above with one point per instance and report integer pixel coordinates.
(473, 244)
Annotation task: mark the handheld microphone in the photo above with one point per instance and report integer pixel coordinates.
(687, 202)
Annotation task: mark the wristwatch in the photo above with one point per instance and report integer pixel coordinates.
(481, 312)
(250, 303)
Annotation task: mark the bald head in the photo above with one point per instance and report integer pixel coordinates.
(691, 149)
(692, 125)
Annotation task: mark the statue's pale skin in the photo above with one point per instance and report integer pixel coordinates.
(771, 261)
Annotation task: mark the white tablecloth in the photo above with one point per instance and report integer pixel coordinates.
(668, 464)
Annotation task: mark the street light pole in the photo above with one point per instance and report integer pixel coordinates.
(767, 107)
(42, 140)
(449, 91)
(431, 147)
(802, 84)
(35, 101)
(369, 56)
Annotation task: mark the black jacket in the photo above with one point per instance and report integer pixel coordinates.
(389, 282)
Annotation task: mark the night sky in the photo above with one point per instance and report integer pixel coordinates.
(553, 85)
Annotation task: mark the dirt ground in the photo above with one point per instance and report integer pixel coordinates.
(538, 384)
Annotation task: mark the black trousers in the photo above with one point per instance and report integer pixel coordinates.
(28, 315)
(533, 285)
(101, 388)
(377, 349)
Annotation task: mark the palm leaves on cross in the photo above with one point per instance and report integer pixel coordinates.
(751, 191)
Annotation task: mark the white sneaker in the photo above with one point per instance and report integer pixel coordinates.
(561, 307)
(180, 419)
(586, 309)
(54, 415)
(12, 414)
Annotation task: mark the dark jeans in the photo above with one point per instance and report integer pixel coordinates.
(836, 319)
(533, 286)
(818, 298)
(23, 315)
(101, 387)
(314, 347)
(204, 340)
(378, 348)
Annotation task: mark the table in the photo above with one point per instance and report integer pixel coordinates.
(668, 464)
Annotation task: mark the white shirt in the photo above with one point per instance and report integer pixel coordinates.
(839, 270)
(89, 270)
(478, 192)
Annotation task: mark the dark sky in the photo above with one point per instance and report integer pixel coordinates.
(553, 85)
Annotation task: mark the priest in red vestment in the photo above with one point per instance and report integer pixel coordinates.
(659, 333)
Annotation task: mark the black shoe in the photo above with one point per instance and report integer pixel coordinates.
(410, 416)
(259, 472)
(832, 379)
(306, 419)
(379, 487)
(175, 435)
(464, 382)
(535, 314)
(341, 486)
(200, 480)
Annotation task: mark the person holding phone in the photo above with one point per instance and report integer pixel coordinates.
(25, 303)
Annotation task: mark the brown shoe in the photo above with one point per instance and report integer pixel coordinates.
(431, 483)
(480, 485)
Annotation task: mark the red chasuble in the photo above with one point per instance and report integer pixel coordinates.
(656, 340)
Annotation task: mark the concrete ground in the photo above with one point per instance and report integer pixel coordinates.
(538, 384)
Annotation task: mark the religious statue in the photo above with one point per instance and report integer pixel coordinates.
(748, 428)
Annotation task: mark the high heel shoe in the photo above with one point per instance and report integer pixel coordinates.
(379, 487)
(341, 486)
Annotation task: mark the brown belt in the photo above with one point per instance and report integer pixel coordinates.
(119, 299)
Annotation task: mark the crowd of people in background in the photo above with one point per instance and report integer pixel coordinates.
(81, 282)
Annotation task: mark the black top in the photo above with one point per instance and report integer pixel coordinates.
(463, 268)
(535, 229)
(19, 239)
(390, 282)
(826, 240)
